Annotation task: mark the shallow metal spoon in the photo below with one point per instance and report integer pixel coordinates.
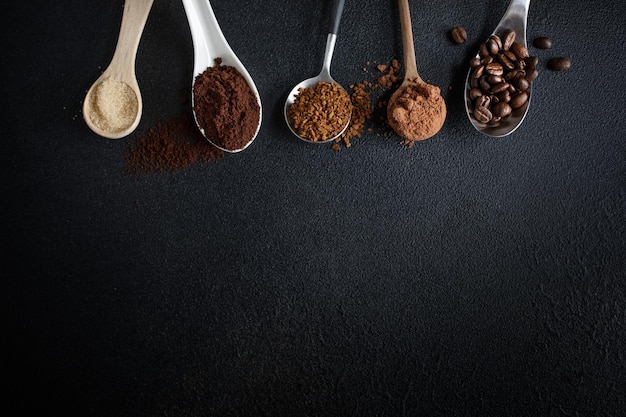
(514, 19)
(209, 43)
(324, 75)
(122, 66)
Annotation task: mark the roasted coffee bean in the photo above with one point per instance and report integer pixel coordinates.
(483, 101)
(478, 71)
(482, 114)
(507, 39)
(494, 68)
(532, 75)
(511, 74)
(501, 110)
(492, 47)
(494, 79)
(497, 40)
(500, 87)
(504, 96)
(483, 51)
(484, 84)
(543, 42)
(518, 100)
(521, 84)
(519, 50)
(510, 55)
(560, 64)
(531, 62)
(500, 78)
(475, 93)
(458, 34)
(506, 63)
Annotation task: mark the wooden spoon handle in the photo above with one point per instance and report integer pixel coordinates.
(133, 21)
(410, 67)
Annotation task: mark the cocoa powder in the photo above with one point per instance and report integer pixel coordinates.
(226, 108)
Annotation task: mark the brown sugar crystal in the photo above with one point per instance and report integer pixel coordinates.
(320, 112)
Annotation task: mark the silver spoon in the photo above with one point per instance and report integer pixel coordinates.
(514, 19)
(324, 75)
(209, 43)
(121, 70)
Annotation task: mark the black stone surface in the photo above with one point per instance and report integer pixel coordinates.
(466, 276)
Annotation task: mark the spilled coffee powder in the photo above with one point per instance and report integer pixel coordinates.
(170, 146)
(226, 107)
(369, 98)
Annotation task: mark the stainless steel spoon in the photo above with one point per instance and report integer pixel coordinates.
(514, 19)
(209, 43)
(324, 75)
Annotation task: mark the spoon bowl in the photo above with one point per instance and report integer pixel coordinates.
(324, 75)
(121, 70)
(514, 19)
(209, 44)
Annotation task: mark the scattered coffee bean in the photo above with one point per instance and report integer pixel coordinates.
(543, 42)
(501, 77)
(458, 34)
(560, 64)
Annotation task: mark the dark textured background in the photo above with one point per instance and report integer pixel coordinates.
(466, 276)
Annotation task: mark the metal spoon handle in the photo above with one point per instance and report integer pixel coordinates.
(331, 39)
(335, 16)
(515, 18)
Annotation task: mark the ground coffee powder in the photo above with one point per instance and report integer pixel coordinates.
(170, 146)
(226, 108)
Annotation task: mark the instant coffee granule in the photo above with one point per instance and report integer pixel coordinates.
(369, 98)
(226, 107)
(320, 112)
(362, 111)
(170, 146)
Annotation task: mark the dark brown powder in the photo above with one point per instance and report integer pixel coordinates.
(170, 146)
(226, 107)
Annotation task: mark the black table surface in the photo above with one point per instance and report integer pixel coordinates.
(465, 276)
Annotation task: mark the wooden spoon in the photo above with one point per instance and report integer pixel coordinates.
(121, 74)
(416, 111)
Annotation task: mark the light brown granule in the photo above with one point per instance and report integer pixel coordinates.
(361, 112)
(114, 105)
(320, 112)
(390, 74)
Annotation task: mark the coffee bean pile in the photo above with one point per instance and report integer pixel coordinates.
(500, 78)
